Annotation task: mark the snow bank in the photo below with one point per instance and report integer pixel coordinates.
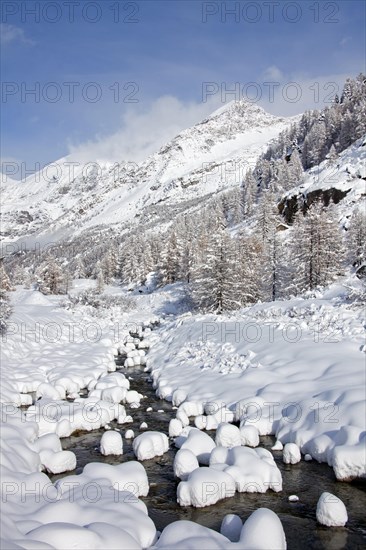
(64, 417)
(301, 377)
(349, 461)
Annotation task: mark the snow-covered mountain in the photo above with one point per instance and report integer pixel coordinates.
(68, 197)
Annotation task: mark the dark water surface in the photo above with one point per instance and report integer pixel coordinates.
(307, 480)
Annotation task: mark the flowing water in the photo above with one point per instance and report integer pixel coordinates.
(307, 480)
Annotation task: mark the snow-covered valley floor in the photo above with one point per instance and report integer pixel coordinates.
(295, 370)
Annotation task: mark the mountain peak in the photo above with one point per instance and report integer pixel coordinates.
(238, 106)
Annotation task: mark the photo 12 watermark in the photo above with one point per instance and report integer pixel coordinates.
(244, 12)
(29, 11)
(271, 91)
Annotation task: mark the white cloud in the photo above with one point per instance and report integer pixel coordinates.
(296, 93)
(143, 132)
(273, 73)
(11, 33)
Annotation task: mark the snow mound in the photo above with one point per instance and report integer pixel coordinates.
(205, 487)
(291, 454)
(58, 462)
(185, 462)
(129, 476)
(228, 435)
(175, 427)
(331, 511)
(150, 444)
(187, 535)
(249, 436)
(263, 531)
(254, 470)
(129, 434)
(215, 415)
(199, 443)
(111, 443)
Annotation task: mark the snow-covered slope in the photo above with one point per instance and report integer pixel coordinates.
(68, 197)
(340, 181)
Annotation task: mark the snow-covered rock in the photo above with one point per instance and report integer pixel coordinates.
(291, 454)
(184, 463)
(111, 443)
(191, 408)
(58, 462)
(228, 435)
(331, 511)
(254, 470)
(205, 487)
(132, 396)
(263, 531)
(200, 444)
(249, 436)
(150, 444)
(175, 427)
(182, 535)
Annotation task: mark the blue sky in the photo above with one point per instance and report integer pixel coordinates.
(167, 50)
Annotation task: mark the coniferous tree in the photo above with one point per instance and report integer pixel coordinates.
(356, 238)
(78, 268)
(249, 269)
(295, 169)
(317, 249)
(214, 284)
(51, 277)
(249, 193)
(170, 266)
(5, 284)
(100, 280)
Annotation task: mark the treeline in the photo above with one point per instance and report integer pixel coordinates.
(237, 249)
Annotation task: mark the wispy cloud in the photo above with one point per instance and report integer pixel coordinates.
(11, 33)
(291, 93)
(273, 73)
(345, 40)
(144, 131)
